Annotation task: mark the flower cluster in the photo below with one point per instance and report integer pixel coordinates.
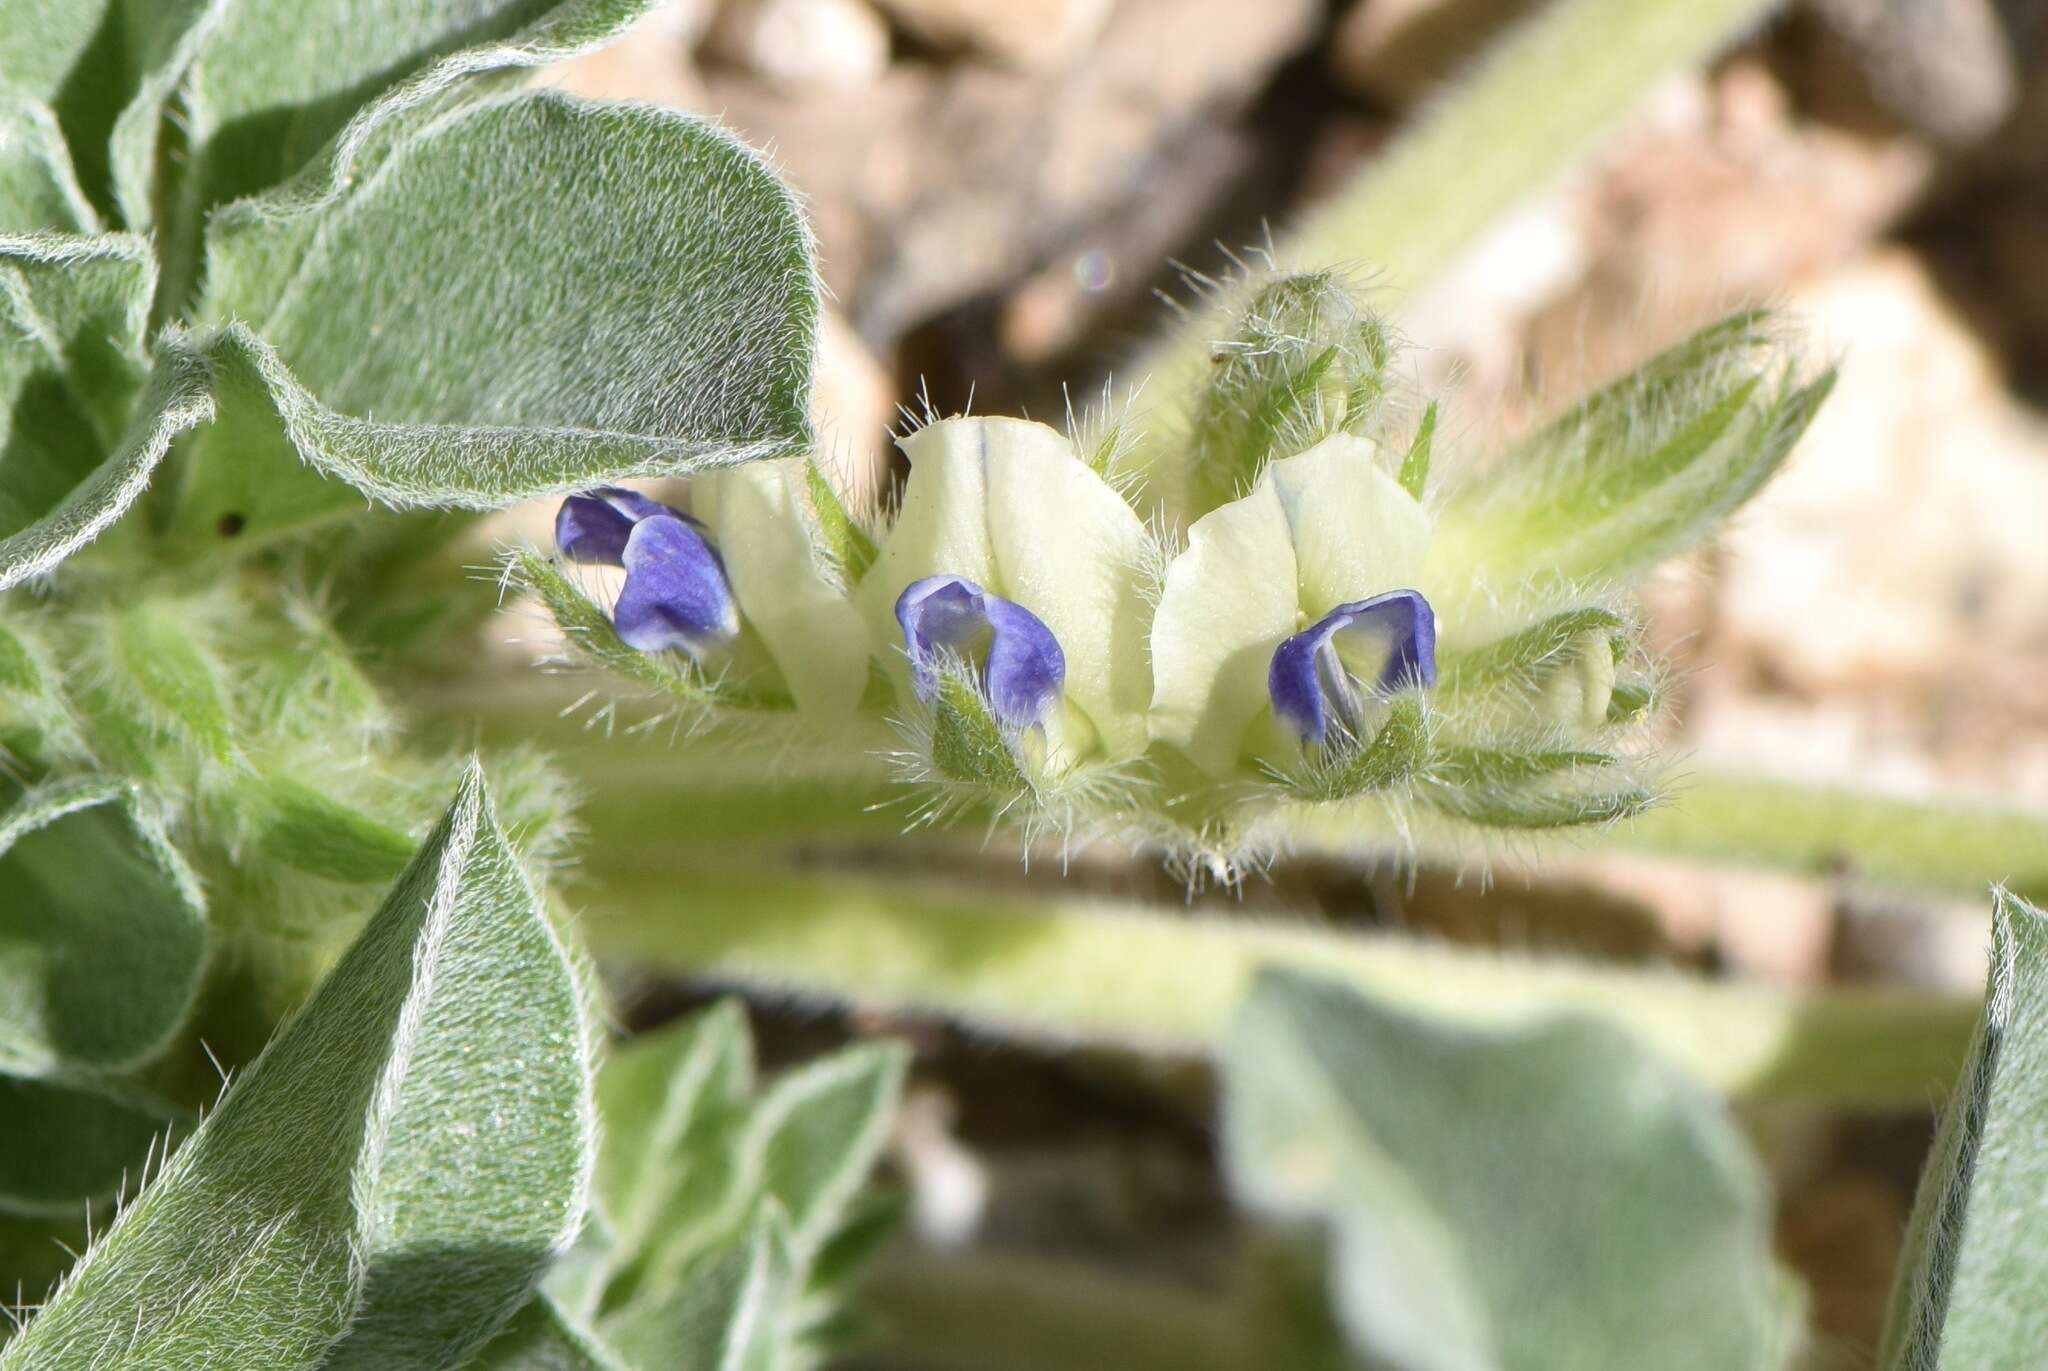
(1301, 635)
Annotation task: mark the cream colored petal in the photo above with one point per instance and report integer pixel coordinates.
(1069, 549)
(1356, 533)
(1229, 600)
(762, 529)
(941, 528)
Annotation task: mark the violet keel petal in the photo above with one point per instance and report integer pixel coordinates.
(1312, 685)
(676, 594)
(593, 527)
(1020, 667)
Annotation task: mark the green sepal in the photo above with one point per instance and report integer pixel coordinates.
(1393, 754)
(589, 632)
(967, 744)
(1525, 657)
(846, 542)
(1415, 465)
(1304, 362)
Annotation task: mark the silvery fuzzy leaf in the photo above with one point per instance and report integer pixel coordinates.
(1968, 1289)
(270, 82)
(384, 1186)
(1541, 1195)
(77, 445)
(500, 298)
(69, 1144)
(102, 932)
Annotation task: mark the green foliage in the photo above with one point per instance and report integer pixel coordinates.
(728, 1224)
(701, 353)
(1539, 1195)
(1974, 1259)
(395, 1171)
(103, 932)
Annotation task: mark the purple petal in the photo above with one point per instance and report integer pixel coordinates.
(1310, 682)
(594, 527)
(676, 593)
(1020, 662)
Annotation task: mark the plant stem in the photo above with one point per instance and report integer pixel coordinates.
(1163, 980)
(660, 798)
(1531, 108)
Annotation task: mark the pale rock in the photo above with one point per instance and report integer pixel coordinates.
(803, 47)
(1028, 34)
(1904, 539)
(942, 183)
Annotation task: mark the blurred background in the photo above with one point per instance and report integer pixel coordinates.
(1000, 189)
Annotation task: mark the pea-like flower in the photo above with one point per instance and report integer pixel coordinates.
(1277, 592)
(1018, 665)
(1315, 677)
(1006, 532)
(676, 593)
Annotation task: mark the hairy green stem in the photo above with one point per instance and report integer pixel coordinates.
(1530, 109)
(1161, 979)
(651, 796)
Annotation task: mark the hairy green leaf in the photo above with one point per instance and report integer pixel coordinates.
(1513, 1199)
(62, 482)
(174, 675)
(521, 295)
(67, 1145)
(102, 929)
(1976, 1256)
(274, 80)
(38, 188)
(395, 1170)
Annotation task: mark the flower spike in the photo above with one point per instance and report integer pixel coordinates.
(1023, 669)
(1313, 676)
